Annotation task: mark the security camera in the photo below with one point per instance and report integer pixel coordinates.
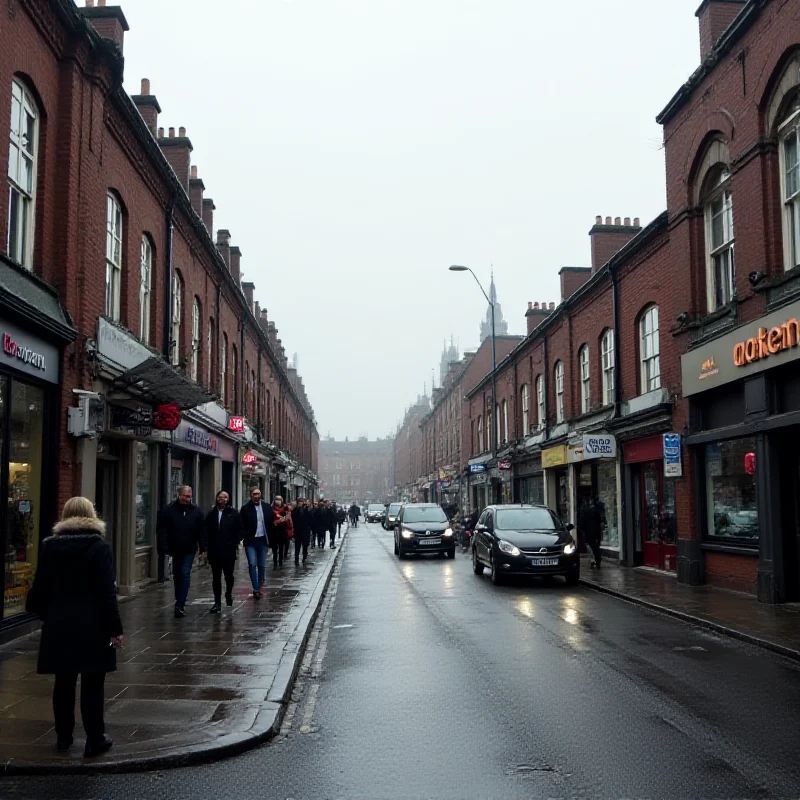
(755, 277)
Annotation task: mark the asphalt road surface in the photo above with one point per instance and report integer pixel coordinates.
(423, 680)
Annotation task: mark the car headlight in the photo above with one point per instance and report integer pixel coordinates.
(407, 534)
(391, 519)
(569, 548)
(448, 532)
(507, 547)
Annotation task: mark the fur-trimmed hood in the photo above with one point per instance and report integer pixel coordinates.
(76, 525)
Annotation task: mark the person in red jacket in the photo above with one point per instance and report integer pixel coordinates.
(283, 531)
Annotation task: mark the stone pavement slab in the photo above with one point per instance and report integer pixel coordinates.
(741, 616)
(185, 690)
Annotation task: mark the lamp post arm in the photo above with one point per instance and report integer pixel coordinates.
(480, 286)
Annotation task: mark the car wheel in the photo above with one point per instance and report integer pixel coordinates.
(477, 567)
(396, 551)
(400, 554)
(573, 578)
(497, 578)
(451, 553)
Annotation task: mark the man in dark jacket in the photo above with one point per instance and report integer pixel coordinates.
(257, 519)
(590, 526)
(330, 514)
(320, 523)
(354, 513)
(223, 533)
(181, 532)
(341, 518)
(301, 516)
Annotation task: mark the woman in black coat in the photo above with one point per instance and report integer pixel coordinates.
(74, 592)
(224, 532)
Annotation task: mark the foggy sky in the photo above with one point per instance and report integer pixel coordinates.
(357, 148)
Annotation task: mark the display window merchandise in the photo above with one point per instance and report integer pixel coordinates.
(731, 502)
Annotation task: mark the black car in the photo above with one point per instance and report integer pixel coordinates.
(423, 528)
(524, 540)
(390, 519)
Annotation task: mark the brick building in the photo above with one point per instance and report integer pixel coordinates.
(359, 471)
(408, 452)
(118, 299)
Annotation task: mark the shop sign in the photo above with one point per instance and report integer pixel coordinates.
(574, 453)
(673, 467)
(200, 440)
(476, 469)
(249, 458)
(554, 457)
(504, 464)
(28, 354)
(118, 347)
(598, 446)
(748, 350)
(136, 419)
(478, 479)
(236, 424)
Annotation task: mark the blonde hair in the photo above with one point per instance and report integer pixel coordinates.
(78, 507)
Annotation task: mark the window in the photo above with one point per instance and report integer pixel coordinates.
(559, 371)
(145, 276)
(195, 339)
(541, 404)
(789, 132)
(209, 350)
(480, 434)
(607, 358)
(113, 257)
(235, 380)
(338, 465)
(526, 402)
(177, 311)
(720, 276)
(731, 508)
(223, 368)
(22, 154)
(497, 428)
(586, 388)
(253, 396)
(649, 350)
(505, 421)
(337, 480)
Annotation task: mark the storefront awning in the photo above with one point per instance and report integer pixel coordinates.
(158, 382)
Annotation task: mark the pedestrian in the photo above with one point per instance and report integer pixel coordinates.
(312, 521)
(224, 532)
(282, 531)
(354, 513)
(257, 519)
(341, 518)
(301, 518)
(320, 524)
(182, 529)
(330, 513)
(74, 593)
(590, 526)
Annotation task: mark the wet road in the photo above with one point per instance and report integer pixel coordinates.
(422, 680)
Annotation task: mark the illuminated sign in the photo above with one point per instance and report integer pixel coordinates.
(236, 424)
(249, 458)
(768, 342)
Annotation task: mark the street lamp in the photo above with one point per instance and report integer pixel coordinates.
(495, 424)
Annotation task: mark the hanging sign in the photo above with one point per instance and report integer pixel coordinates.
(236, 424)
(673, 467)
(477, 469)
(504, 464)
(249, 458)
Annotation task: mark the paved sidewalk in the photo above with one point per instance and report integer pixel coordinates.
(185, 690)
(774, 627)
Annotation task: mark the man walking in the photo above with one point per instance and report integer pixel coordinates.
(330, 512)
(341, 518)
(320, 524)
(257, 520)
(223, 533)
(181, 532)
(301, 517)
(355, 513)
(281, 528)
(590, 526)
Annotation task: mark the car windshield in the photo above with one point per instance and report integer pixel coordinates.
(375, 507)
(525, 519)
(431, 514)
(394, 508)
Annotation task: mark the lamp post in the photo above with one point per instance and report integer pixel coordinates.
(494, 421)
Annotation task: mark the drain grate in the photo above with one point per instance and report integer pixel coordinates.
(529, 770)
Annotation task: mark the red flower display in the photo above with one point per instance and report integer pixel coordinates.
(167, 417)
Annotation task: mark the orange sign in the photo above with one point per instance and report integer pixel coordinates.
(769, 342)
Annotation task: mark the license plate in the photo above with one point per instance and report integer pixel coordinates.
(544, 562)
(430, 541)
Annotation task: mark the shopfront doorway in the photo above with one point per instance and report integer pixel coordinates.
(654, 515)
(106, 505)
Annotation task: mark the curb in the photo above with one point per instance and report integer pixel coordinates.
(731, 633)
(266, 726)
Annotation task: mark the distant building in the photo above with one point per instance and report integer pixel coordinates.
(356, 471)
(500, 325)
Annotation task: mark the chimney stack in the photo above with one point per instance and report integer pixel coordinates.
(572, 278)
(178, 150)
(715, 16)
(263, 321)
(224, 246)
(536, 314)
(248, 288)
(609, 239)
(108, 21)
(148, 107)
(236, 265)
(208, 215)
(196, 191)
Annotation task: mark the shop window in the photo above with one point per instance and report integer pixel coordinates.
(607, 494)
(23, 514)
(607, 356)
(113, 257)
(649, 350)
(145, 480)
(732, 513)
(559, 374)
(22, 155)
(586, 386)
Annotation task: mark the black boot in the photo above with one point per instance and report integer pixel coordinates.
(97, 748)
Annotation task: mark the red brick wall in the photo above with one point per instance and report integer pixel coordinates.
(715, 16)
(739, 573)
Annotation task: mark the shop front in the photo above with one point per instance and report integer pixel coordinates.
(196, 456)
(557, 482)
(529, 480)
(744, 394)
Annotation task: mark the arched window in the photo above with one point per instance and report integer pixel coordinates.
(505, 421)
(718, 211)
(23, 153)
(234, 379)
(559, 376)
(113, 257)
(480, 435)
(145, 281)
(253, 395)
(223, 368)
(175, 317)
(541, 402)
(195, 371)
(607, 358)
(526, 414)
(246, 398)
(586, 385)
(210, 352)
(649, 350)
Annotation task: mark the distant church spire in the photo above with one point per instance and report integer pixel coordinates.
(500, 325)
(449, 354)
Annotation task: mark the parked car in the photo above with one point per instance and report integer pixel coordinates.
(390, 519)
(524, 540)
(423, 528)
(375, 512)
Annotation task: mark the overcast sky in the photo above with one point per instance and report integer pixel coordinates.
(356, 148)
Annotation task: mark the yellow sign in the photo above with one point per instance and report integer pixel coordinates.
(554, 457)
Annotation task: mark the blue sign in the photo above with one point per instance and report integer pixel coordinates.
(477, 469)
(673, 467)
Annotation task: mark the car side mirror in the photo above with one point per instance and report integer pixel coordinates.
(570, 526)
